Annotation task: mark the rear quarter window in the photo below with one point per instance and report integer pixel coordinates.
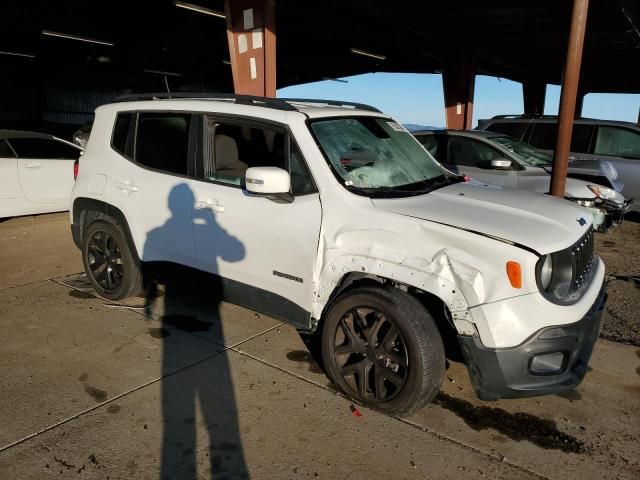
(120, 132)
(619, 142)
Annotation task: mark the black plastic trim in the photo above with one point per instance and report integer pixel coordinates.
(333, 103)
(83, 205)
(505, 372)
(232, 291)
(267, 102)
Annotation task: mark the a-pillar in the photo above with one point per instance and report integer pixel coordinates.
(251, 33)
(458, 82)
(534, 93)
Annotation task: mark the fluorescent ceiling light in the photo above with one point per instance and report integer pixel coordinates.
(199, 9)
(357, 51)
(161, 72)
(17, 54)
(68, 36)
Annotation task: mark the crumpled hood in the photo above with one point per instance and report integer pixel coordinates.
(541, 222)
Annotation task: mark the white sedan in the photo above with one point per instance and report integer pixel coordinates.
(36, 173)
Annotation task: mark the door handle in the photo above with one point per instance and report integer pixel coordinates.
(210, 204)
(126, 185)
(33, 165)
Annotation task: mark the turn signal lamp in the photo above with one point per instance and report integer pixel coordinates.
(514, 272)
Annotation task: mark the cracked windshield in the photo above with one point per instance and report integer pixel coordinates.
(373, 153)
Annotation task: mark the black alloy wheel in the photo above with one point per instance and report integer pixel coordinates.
(105, 261)
(109, 262)
(371, 354)
(382, 348)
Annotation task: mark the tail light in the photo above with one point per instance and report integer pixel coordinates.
(76, 168)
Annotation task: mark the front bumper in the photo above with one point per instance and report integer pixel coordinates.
(506, 372)
(606, 213)
(615, 211)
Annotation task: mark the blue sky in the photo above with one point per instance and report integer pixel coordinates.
(417, 98)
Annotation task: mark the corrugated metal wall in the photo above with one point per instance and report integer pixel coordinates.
(72, 106)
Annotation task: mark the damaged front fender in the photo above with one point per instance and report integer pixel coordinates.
(441, 277)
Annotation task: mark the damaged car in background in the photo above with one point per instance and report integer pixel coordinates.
(498, 159)
(36, 172)
(331, 216)
(593, 140)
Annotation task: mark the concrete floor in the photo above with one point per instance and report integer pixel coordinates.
(192, 389)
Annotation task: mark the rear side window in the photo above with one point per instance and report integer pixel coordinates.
(120, 132)
(162, 141)
(513, 129)
(43, 148)
(581, 138)
(5, 151)
(619, 142)
(545, 135)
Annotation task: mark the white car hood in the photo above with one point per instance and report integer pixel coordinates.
(541, 222)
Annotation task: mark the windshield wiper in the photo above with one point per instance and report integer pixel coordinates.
(410, 189)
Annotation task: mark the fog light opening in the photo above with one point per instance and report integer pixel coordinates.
(548, 363)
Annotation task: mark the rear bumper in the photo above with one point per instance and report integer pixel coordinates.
(507, 372)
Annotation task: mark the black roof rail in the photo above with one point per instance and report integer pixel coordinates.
(522, 115)
(333, 103)
(275, 103)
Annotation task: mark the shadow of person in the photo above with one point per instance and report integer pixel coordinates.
(195, 373)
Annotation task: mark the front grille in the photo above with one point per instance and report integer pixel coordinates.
(582, 259)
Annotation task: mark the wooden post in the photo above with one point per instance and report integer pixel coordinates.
(534, 93)
(568, 97)
(251, 34)
(458, 82)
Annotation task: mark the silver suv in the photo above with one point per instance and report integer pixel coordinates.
(617, 142)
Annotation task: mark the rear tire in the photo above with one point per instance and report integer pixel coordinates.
(110, 266)
(382, 348)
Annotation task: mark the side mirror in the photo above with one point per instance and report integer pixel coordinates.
(501, 164)
(271, 182)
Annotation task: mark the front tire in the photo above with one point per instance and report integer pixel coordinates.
(109, 263)
(382, 348)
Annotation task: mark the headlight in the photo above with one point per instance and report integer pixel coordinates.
(554, 274)
(605, 193)
(546, 272)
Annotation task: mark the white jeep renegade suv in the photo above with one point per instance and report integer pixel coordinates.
(332, 217)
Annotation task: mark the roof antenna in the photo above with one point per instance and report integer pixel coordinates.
(166, 84)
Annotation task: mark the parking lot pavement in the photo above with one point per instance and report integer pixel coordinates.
(620, 251)
(94, 389)
(35, 248)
